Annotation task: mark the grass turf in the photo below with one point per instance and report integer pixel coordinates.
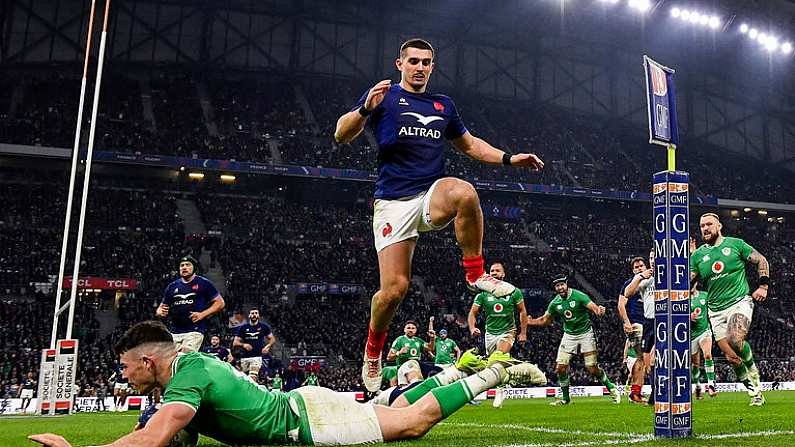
(726, 421)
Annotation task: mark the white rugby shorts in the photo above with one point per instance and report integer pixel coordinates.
(400, 219)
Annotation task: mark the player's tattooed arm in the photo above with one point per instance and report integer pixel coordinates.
(762, 266)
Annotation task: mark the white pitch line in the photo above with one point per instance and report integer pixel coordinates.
(750, 434)
(628, 438)
(555, 430)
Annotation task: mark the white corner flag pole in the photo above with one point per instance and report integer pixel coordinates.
(75, 151)
(87, 175)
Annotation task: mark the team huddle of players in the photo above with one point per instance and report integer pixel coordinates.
(413, 195)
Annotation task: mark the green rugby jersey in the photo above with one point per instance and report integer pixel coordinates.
(415, 346)
(229, 406)
(721, 270)
(445, 351)
(499, 311)
(573, 311)
(698, 306)
(387, 374)
(311, 380)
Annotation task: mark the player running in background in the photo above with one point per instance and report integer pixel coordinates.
(188, 302)
(216, 349)
(701, 342)
(719, 265)
(311, 379)
(277, 383)
(251, 339)
(629, 358)
(204, 396)
(572, 306)
(500, 325)
(412, 193)
(27, 391)
(643, 336)
(120, 388)
(447, 350)
(407, 351)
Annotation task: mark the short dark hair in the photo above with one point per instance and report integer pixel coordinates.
(253, 308)
(416, 42)
(411, 322)
(142, 333)
(499, 262)
(637, 259)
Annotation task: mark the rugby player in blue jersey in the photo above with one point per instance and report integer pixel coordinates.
(412, 192)
(188, 302)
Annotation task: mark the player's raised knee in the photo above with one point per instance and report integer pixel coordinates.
(463, 192)
(396, 289)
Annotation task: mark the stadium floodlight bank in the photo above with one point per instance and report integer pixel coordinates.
(59, 363)
(670, 195)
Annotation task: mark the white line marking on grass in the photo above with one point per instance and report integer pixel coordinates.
(749, 434)
(626, 438)
(555, 430)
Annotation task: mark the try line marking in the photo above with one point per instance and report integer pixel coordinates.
(624, 437)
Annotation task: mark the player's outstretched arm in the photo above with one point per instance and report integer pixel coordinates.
(351, 124)
(544, 320)
(596, 309)
(633, 286)
(481, 150)
(160, 430)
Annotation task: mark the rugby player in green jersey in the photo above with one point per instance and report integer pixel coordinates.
(719, 265)
(572, 306)
(447, 350)
(407, 351)
(207, 396)
(500, 325)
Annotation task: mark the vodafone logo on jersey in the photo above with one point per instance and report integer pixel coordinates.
(498, 308)
(413, 351)
(717, 267)
(568, 314)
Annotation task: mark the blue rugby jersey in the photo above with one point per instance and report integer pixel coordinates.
(182, 298)
(634, 304)
(410, 129)
(255, 336)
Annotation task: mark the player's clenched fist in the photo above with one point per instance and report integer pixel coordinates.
(475, 332)
(376, 94)
(162, 310)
